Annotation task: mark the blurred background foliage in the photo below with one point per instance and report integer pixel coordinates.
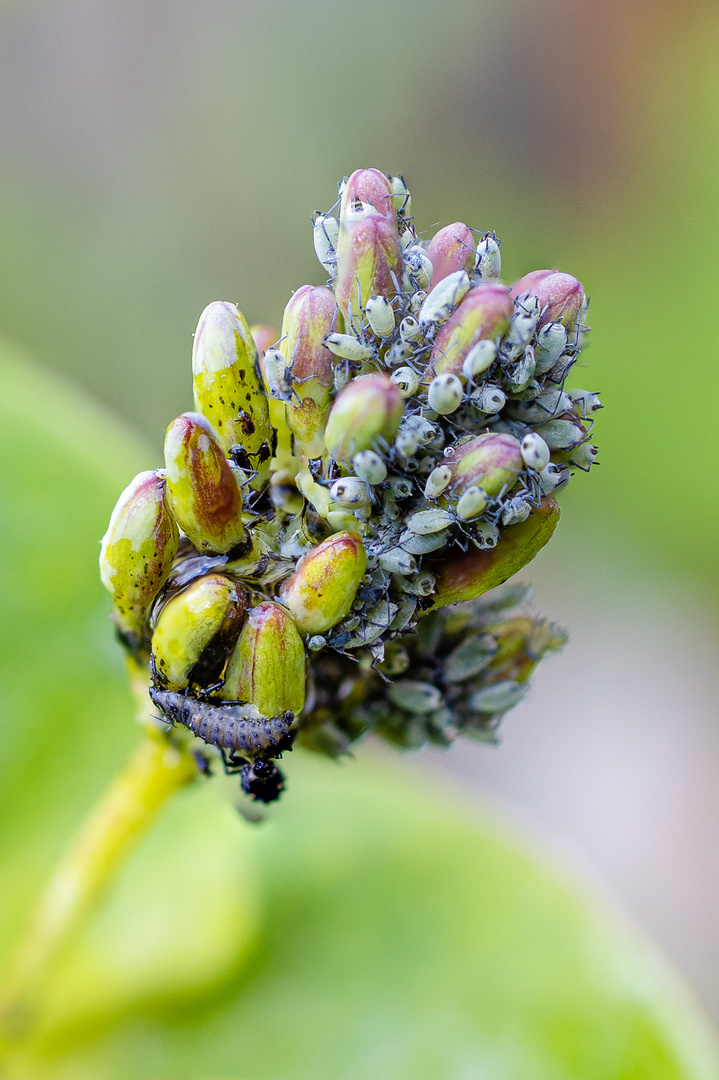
(159, 156)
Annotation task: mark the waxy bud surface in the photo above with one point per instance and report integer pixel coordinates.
(560, 296)
(137, 551)
(227, 384)
(307, 321)
(267, 667)
(204, 493)
(322, 589)
(368, 261)
(368, 409)
(491, 461)
(483, 315)
(451, 249)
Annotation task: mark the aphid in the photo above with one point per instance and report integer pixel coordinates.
(406, 443)
(325, 233)
(424, 429)
(350, 492)
(398, 561)
(425, 522)
(485, 536)
(499, 697)
(380, 316)
(400, 196)
(562, 434)
(535, 451)
(551, 477)
(584, 456)
(445, 296)
(470, 657)
(585, 402)
(416, 300)
(400, 487)
(479, 359)
(489, 399)
(238, 727)
(551, 343)
(415, 696)
(421, 585)
(472, 503)
(278, 374)
(409, 330)
(445, 394)
(370, 467)
(407, 239)
(489, 260)
(316, 642)
(349, 347)
(437, 481)
(422, 545)
(406, 380)
(418, 269)
(398, 353)
(522, 373)
(521, 330)
(516, 511)
(542, 408)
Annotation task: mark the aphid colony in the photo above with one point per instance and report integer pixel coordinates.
(394, 449)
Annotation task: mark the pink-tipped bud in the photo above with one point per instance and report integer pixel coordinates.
(483, 315)
(368, 260)
(560, 296)
(322, 589)
(452, 248)
(204, 494)
(308, 319)
(366, 412)
(264, 336)
(371, 187)
(491, 461)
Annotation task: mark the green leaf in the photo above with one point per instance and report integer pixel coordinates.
(368, 928)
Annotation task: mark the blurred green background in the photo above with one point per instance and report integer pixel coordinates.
(159, 156)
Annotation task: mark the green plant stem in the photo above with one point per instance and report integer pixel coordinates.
(157, 769)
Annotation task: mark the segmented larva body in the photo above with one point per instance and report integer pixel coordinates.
(238, 728)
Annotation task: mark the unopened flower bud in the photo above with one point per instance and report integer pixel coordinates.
(560, 296)
(445, 394)
(425, 522)
(535, 451)
(308, 318)
(417, 269)
(368, 258)
(586, 403)
(137, 552)
(368, 410)
(368, 187)
(483, 315)
(551, 343)
(491, 461)
(370, 467)
(451, 249)
(380, 316)
(489, 259)
(489, 399)
(464, 577)
(406, 380)
(196, 629)
(350, 492)
(472, 503)
(562, 434)
(443, 299)
(437, 481)
(479, 359)
(322, 588)
(267, 666)
(325, 230)
(204, 493)
(227, 384)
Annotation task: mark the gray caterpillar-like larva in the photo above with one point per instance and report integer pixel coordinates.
(241, 729)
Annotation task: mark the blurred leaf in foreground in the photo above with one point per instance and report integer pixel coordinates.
(400, 935)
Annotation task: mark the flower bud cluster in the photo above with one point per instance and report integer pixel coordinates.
(393, 449)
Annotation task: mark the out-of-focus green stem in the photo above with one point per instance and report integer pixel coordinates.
(156, 770)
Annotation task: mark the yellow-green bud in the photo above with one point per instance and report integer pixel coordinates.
(491, 461)
(204, 494)
(368, 410)
(308, 319)
(483, 315)
(227, 384)
(465, 576)
(322, 589)
(267, 667)
(208, 613)
(137, 552)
